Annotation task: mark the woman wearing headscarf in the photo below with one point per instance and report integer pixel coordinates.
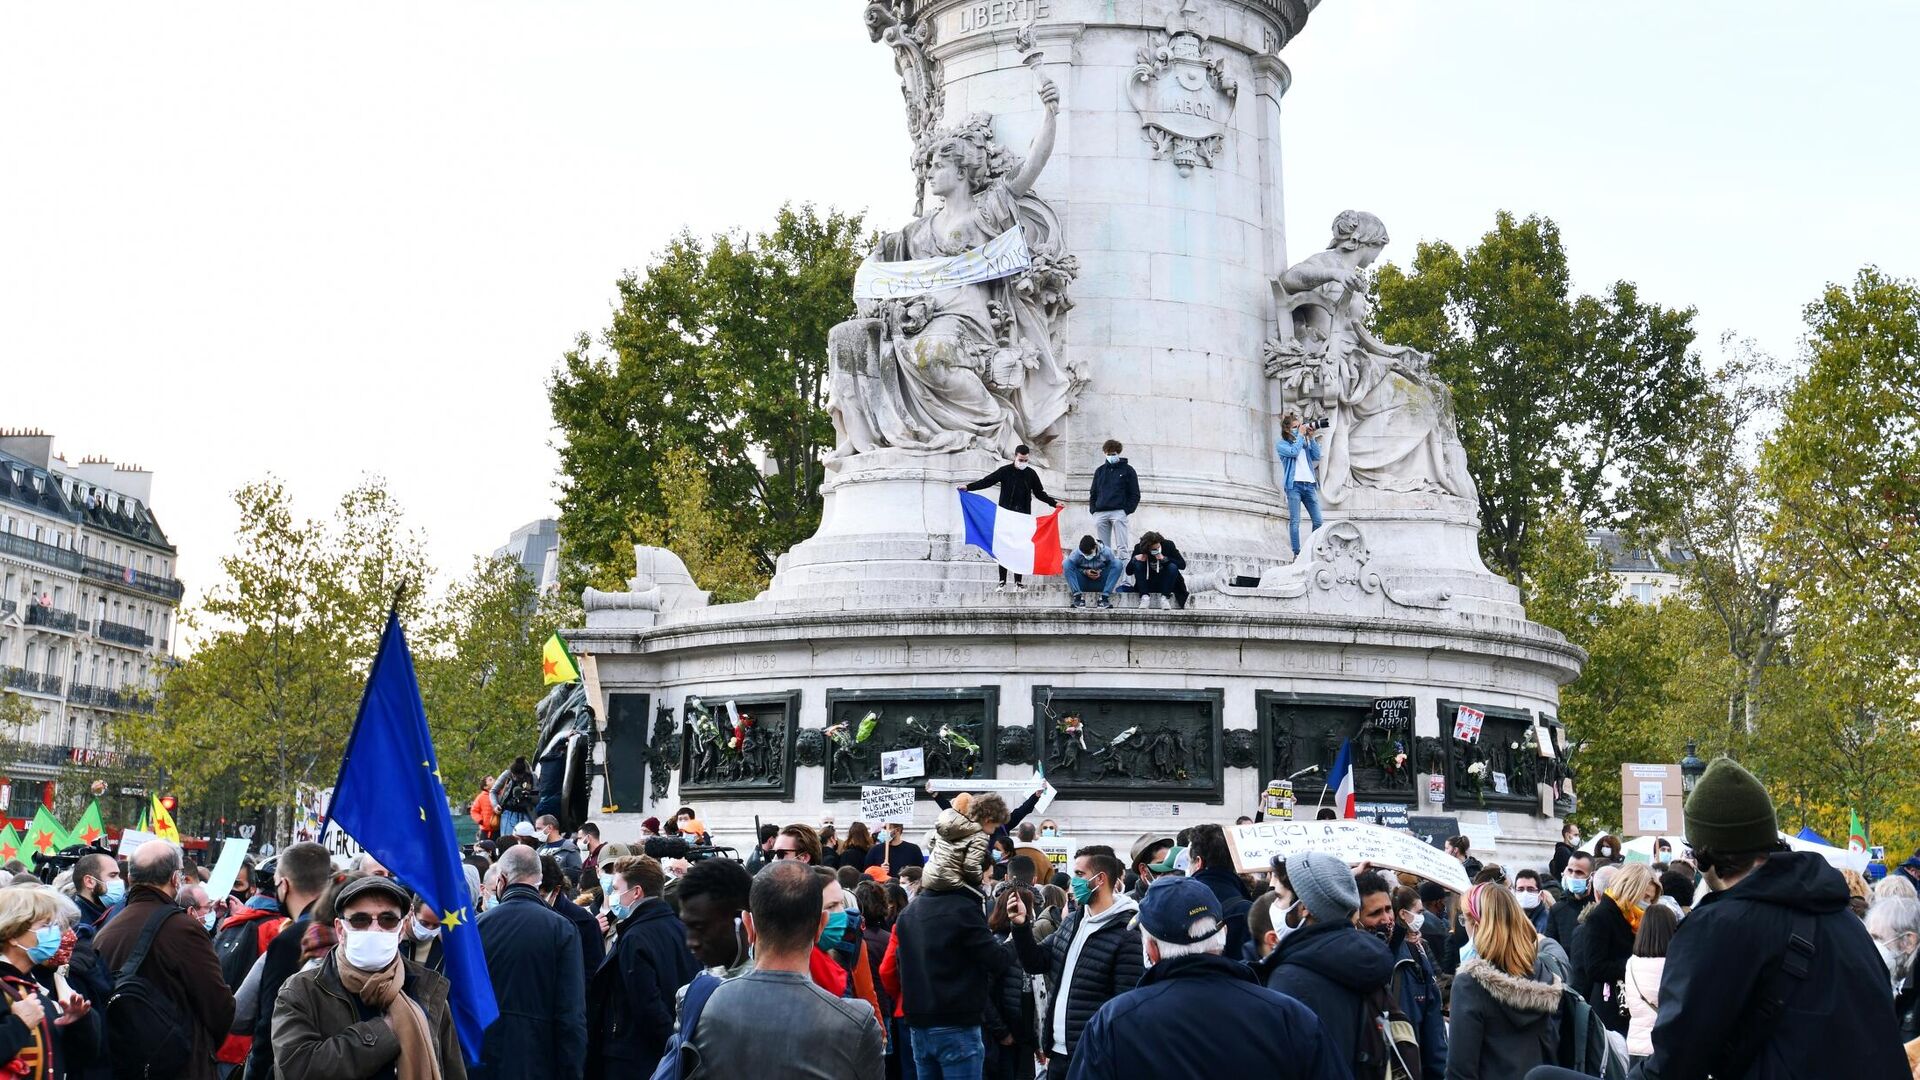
(1604, 942)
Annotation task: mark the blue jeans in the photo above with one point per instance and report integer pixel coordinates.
(1308, 494)
(948, 1053)
(1078, 581)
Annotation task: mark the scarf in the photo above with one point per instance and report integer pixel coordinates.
(1628, 908)
(382, 990)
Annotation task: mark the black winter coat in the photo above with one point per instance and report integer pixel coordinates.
(1110, 964)
(1503, 1025)
(947, 958)
(1019, 486)
(1011, 1009)
(1149, 576)
(1235, 902)
(1224, 1025)
(593, 944)
(630, 1004)
(1564, 919)
(533, 959)
(1331, 968)
(1838, 1021)
(1115, 487)
(1600, 950)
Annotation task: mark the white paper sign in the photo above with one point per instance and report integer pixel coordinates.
(1353, 842)
(1021, 788)
(1048, 793)
(1653, 819)
(1543, 737)
(1652, 793)
(1436, 789)
(232, 854)
(1059, 851)
(131, 839)
(1500, 783)
(884, 805)
(1002, 256)
(1467, 723)
(903, 764)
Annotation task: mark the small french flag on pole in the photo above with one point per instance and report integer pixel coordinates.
(1343, 777)
(1022, 543)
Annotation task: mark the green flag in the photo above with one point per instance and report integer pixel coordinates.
(9, 843)
(45, 836)
(1856, 833)
(89, 829)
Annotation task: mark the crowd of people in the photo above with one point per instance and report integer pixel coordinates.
(864, 957)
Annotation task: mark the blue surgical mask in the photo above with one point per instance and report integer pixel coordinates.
(1113, 459)
(116, 891)
(606, 885)
(1575, 885)
(209, 919)
(620, 910)
(836, 930)
(46, 942)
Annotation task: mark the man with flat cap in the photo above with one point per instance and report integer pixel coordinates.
(1197, 1014)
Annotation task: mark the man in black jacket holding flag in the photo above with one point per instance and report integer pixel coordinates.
(1019, 486)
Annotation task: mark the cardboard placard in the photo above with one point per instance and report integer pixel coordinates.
(1467, 723)
(885, 805)
(1059, 851)
(903, 764)
(1543, 736)
(1651, 800)
(1393, 713)
(1353, 842)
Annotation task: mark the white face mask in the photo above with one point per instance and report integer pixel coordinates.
(585, 846)
(1280, 927)
(425, 933)
(1528, 900)
(372, 950)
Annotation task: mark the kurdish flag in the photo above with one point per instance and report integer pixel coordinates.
(90, 828)
(45, 836)
(1856, 833)
(10, 843)
(1022, 543)
(556, 662)
(163, 822)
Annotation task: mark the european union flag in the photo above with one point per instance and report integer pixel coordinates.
(390, 799)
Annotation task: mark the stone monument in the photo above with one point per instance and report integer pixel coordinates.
(1098, 251)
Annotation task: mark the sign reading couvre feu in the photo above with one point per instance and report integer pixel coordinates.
(1354, 842)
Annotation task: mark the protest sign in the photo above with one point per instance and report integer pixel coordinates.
(1467, 723)
(1543, 737)
(884, 805)
(1048, 793)
(1353, 842)
(1059, 850)
(1434, 829)
(1393, 714)
(1006, 787)
(1651, 800)
(903, 764)
(1437, 789)
(131, 839)
(1391, 814)
(227, 870)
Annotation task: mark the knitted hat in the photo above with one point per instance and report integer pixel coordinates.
(1325, 885)
(1729, 811)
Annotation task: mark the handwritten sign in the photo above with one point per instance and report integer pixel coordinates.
(1393, 713)
(887, 804)
(1391, 814)
(1467, 723)
(903, 764)
(1434, 829)
(1353, 842)
(1002, 256)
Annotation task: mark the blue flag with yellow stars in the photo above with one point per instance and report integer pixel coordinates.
(390, 799)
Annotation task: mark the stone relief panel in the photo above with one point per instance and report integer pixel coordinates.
(1502, 769)
(1300, 732)
(949, 726)
(1183, 92)
(1013, 744)
(1117, 744)
(738, 744)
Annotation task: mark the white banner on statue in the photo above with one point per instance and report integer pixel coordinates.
(885, 805)
(1352, 842)
(1002, 256)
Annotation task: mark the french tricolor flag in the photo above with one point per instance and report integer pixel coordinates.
(1343, 777)
(1022, 543)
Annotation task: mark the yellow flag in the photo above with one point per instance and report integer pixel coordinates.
(556, 663)
(163, 823)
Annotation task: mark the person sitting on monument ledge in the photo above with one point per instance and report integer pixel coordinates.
(1019, 486)
(1093, 565)
(1299, 449)
(1155, 569)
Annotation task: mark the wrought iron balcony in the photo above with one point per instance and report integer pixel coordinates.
(55, 754)
(102, 570)
(101, 697)
(31, 681)
(19, 546)
(8, 607)
(122, 633)
(51, 618)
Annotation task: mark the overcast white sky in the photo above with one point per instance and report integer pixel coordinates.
(330, 239)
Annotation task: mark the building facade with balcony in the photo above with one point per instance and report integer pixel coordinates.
(1642, 575)
(88, 604)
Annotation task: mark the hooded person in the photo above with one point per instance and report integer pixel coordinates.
(962, 837)
(1321, 958)
(1093, 956)
(1772, 975)
(1506, 998)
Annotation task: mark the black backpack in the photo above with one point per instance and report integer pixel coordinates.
(144, 1027)
(1389, 1047)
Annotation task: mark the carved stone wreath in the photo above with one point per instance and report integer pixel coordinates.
(663, 753)
(1430, 754)
(1242, 748)
(1014, 744)
(810, 747)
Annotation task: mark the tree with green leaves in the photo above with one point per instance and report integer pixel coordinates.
(1561, 400)
(718, 348)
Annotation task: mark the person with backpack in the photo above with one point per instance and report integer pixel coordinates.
(1327, 963)
(169, 1002)
(774, 1022)
(1505, 1007)
(515, 793)
(240, 942)
(51, 1038)
(1771, 975)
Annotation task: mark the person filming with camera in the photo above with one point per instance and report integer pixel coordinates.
(1299, 450)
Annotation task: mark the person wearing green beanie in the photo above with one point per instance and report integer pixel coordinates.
(1771, 975)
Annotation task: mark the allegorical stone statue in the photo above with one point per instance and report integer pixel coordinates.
(1390, 421)
(976, 365)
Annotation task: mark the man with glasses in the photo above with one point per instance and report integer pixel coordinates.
(798, 842)
(533, 959)
(365, 1011)
(1526, 889)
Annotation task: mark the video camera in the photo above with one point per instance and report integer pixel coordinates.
(673, 847)
(48, 867)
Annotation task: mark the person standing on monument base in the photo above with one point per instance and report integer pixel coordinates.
(1299, 452)
(1019, 485)
(1113, 497)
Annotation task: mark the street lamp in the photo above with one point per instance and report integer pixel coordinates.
(1690, 769)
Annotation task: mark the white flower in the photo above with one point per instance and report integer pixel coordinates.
(1477, 769)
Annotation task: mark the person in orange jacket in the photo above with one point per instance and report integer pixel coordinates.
(484, 813)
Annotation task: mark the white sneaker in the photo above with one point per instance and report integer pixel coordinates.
(1002, 587)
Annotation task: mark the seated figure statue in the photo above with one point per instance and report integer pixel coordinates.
(974, 366)
(1390, 421)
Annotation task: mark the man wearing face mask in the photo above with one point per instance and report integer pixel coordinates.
(1113, 497)
(1019, 485)
(1894, 922)
(365, 1011)
(533, 959)
(97, 887)
(553, 889)
(1324, 960)
(587, 839)
(1577, 893)
(1094, 955)
(420, 938)
(563, 848)
(1419, 998)
(193, 900)
(630, 1003)
(897, 853)
(1564, 849)
(1526, 890)
(180, 961)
